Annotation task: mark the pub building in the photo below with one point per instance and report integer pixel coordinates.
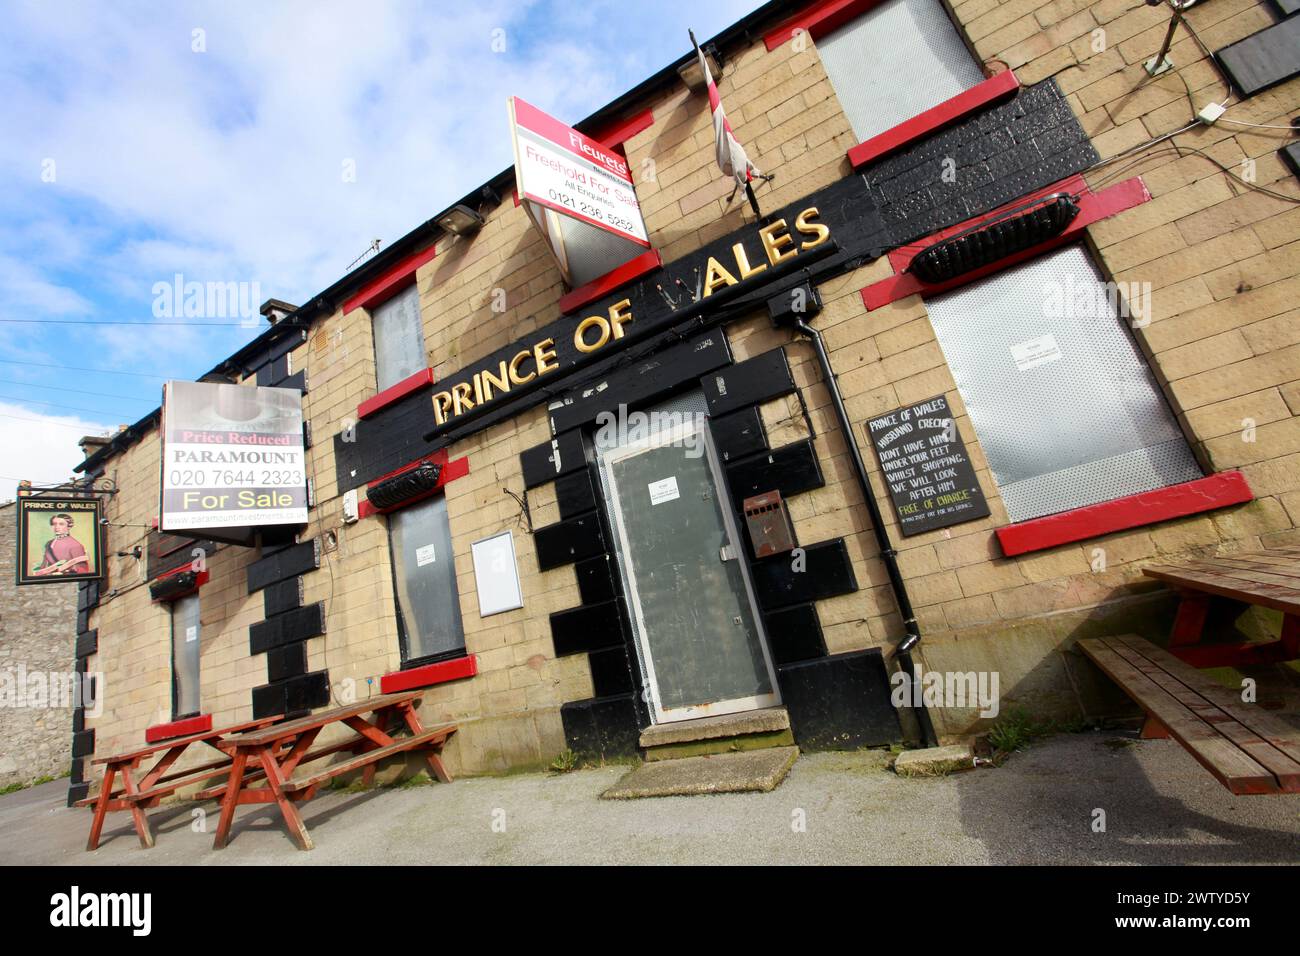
(929, 405)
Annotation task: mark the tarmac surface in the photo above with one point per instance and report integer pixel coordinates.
(1040, 807)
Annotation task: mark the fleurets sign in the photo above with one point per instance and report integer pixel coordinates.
(569, 173)
(232, 457)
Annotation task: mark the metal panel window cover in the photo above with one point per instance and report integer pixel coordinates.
(896, 61)
(1066, 409)
(185, 656)
(428, 599)
(593, 252)
(399, 338)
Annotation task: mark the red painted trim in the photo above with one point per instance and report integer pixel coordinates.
(202, 578)
(412, 383)
(429, 675)
(178, 728)
(451, 470)
(1093, 207)
(599, 288)
(401, 275)
(950, 111)
(616, 134)
(515, 193)
(818, 19)
(1189, 498)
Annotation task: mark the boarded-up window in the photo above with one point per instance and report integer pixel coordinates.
(894, 61)
(424, 575)
(1066, 409)
(185, 656)
(399, 338)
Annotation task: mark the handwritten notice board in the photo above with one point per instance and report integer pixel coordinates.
(931, 480)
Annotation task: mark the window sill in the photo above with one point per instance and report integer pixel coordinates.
(978, 97)
(599, 288)
(407, 386)
(178, 728)
(1150, 507)
(455, 669)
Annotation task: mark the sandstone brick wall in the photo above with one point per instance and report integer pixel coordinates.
(1223, 343)
(38, 627)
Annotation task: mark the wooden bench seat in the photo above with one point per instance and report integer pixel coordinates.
(369, 757)
(1247, 749)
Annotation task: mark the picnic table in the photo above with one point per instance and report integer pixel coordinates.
(274, 754)
(1248, 750)
(1268, 579)
(138, 796)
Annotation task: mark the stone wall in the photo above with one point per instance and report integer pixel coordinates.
(38, 624)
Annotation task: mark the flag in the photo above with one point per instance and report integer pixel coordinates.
(730, 154)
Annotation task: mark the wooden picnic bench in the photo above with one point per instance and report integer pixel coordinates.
(1268, 579)
(157, 783)
(1249, 750)
(269, 757)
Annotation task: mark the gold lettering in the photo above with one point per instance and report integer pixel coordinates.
(773, 243)
(715, 276)
(620, 313)
(811, 228)
(515, 377)
(478, 389)
(460, 400)
(742, 262)
(441, 407)
(545, 355)
(491, 381)
(582, 344)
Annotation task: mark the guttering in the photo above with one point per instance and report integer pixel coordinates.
(903, 653)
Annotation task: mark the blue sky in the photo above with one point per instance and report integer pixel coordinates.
(214, 141)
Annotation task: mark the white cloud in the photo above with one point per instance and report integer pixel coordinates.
(40, 448)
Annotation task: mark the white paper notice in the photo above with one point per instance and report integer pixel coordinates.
(424, 556)
(191, 634)
(1034, 352)
(665, 490)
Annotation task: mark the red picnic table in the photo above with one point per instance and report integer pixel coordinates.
(138, 796)
(276, 752)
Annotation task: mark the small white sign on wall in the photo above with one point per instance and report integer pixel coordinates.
(496, 574)
(425, 555)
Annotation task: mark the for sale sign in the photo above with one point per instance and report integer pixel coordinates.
(568, 173)
(232, 456)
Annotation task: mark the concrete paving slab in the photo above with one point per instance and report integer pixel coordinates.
(746, 771)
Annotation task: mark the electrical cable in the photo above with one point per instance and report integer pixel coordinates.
(75, 368)
(79, 391)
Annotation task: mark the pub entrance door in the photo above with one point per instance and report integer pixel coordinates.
(699, 632)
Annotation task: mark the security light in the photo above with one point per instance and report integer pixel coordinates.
(460, 220)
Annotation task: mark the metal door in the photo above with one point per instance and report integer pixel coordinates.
(700, 635)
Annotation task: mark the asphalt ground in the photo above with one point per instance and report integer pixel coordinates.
(1093, 798)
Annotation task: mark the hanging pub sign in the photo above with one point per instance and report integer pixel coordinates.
(562, 173)
(59, 540)
(930, 477)
(232, 457)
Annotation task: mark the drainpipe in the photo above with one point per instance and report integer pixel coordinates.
(903, 653)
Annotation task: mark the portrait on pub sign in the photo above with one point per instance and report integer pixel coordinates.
(59, 540)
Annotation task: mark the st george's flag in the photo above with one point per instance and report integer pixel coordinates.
(730, 154)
